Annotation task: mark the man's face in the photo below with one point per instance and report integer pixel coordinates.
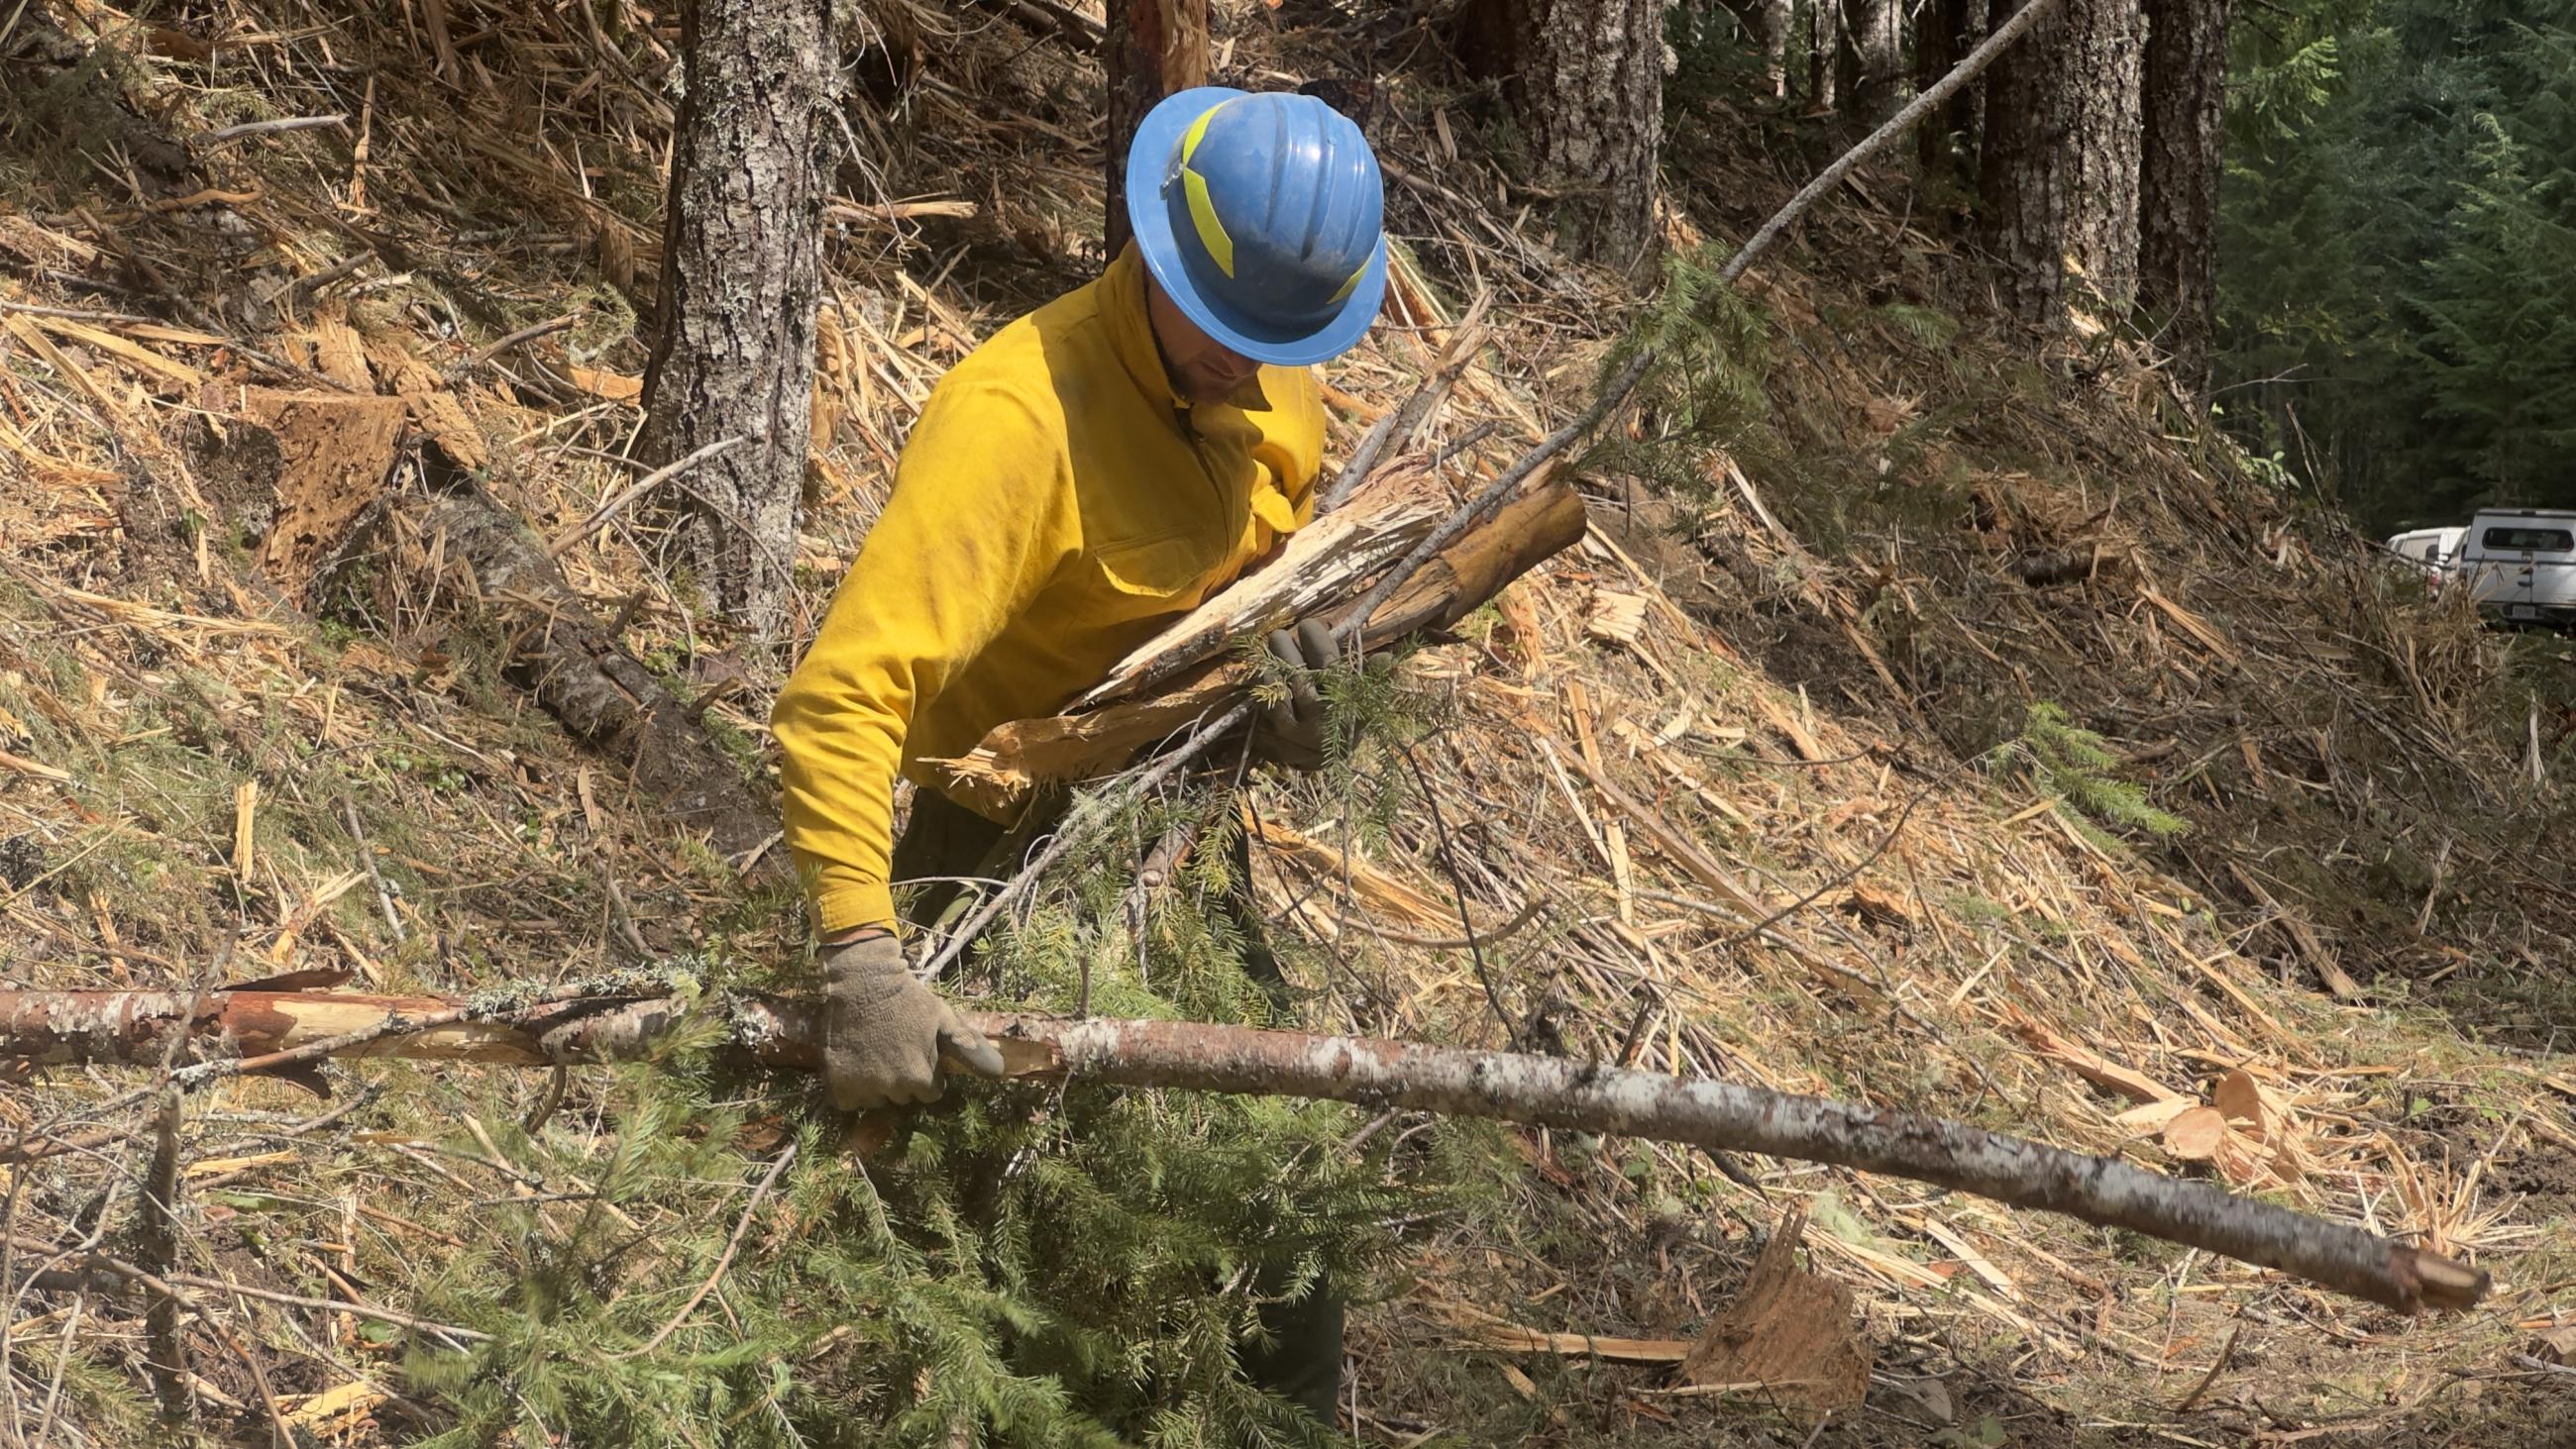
(1203, 369)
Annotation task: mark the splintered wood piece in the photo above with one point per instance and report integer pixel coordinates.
(2092, 1066)
(1014, 759)
(1321, 564)
(1383, 894)
(2196, 1135)
(341, 353)
(1789, 1329)
(334, 453)
(1617, 617)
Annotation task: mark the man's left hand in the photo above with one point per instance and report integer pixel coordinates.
(1291, 731)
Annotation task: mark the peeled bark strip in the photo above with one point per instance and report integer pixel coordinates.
(131, 1028)
(472, 556)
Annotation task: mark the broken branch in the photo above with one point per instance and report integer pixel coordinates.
(133, 1028)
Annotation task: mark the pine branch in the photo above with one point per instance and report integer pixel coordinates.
(134, 1028)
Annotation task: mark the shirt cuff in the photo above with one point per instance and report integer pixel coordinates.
(847, 905)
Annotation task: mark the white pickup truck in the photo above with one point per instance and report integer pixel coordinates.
(2435, 552)
(2520, 565)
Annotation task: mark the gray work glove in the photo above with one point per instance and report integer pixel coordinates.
(1292, 730)
(883, 1030)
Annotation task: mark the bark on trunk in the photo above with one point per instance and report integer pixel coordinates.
(132, 1028)
(2186, 105)
(1586, 81)
(2060, 170)
(741, 279)
(462, 554)
(1877, 30)
(1151, 49)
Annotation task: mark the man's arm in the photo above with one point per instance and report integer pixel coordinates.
(975, 527)
(1298, 436)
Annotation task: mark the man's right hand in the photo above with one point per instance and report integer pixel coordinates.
(883, 1030)
(1291, 731)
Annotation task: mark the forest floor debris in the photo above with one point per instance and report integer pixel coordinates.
(1814, 784)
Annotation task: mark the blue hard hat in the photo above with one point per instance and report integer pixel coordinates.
(1263, 217)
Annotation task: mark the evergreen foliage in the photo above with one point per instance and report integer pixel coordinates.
(1704, 392)
(2398, 251)
(2074, 765)
(1039, 1264)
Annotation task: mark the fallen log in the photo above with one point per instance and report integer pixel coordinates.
(469, 556)
(134, 1028)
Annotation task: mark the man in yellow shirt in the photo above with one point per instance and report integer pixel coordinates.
(1093, 470)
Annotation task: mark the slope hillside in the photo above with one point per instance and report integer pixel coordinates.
(1928, 718)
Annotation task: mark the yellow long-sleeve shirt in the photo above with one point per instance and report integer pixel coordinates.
(1056, 505)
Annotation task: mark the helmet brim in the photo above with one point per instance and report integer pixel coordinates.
(1151, 221)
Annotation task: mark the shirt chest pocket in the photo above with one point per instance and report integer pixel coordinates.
(1156, 573)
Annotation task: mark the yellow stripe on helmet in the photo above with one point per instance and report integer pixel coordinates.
(1198, 130)
(1352, 285)
(1203, 215)
(1212, 234)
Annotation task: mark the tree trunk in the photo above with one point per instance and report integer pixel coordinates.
(1945, 31)
(1151, 49)
(1773, 19)
(1877, 32)
(2060, 170)
(622, 1021)
(1586, 81)
(741, 279)
(1824, 48)
(2186, 105)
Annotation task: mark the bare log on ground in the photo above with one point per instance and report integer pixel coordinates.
(471, 556)
(133, 1028)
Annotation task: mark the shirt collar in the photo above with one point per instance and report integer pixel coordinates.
(1131, 336)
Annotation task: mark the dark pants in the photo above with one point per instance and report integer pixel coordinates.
(1303, 1363)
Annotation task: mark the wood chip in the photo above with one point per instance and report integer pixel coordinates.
(614, 386)
(1617, 617)
(2195, 1135)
